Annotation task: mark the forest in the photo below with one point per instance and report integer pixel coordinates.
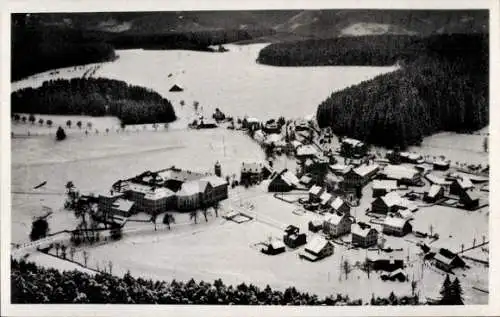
(443, 89)
(37, 285)
(441, 85)
(94, 97)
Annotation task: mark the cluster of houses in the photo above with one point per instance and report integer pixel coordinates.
(157, 192)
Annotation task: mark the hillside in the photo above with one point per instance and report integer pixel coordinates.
(443, 86)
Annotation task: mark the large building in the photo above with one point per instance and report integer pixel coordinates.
(317, 249)
(403, 175)
(364, 235)
(353, 148)
(396, 226)
(361, 175)
(254, 173)
(337, 225)
(283, 181)
(172, 188)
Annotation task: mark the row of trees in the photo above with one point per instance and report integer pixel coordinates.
(33, 284)
(95, 97)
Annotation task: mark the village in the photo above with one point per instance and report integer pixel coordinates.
(329, 197)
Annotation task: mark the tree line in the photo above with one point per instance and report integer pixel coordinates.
(441, 87)
(34, 284)
(94, 97)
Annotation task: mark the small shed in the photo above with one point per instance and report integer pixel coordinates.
(274, 247)
(176, 88)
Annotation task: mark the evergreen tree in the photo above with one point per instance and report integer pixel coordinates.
(446, 292)
(456, 292)
(60, 134)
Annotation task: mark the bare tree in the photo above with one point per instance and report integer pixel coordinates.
(63, 251)
(413, 287)
(72, 251)
(85, 257)
(194, 215)
(57, 246)
(110, 267)
(204, 211)
(346, 266)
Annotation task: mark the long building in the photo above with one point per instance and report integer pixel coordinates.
(172, 188)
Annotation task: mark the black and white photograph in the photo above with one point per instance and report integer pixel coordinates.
(308, 157)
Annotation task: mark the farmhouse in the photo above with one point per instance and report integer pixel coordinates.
(339, 205)
(360, 176)
(352, 148)
(403, 175)
(317, 249)
(363, 235)
(383, 187)
(460, 185)
(386, 264)
(253, 173)
(470, 199)
(447, 260)
(386, 204)
(434, 194)
(274, 247)
(337, 225)
(396, 226)
(283, 181)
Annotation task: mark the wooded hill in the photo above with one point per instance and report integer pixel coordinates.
(94, 97)
(442, 84)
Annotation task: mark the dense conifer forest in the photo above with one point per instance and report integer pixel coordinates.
(37, 285)
(442, 85)
(95, 97)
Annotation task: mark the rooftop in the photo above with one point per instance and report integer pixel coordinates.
(362, 232)
(306, 150)
(337, 203)
(434, 190)
(352, 142)
(365, 170)
(395, 222)
(315, 190)
(316, 244)
(399, 172)
(123, 205)
(385, 184)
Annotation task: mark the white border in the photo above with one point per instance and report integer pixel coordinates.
(149, 5)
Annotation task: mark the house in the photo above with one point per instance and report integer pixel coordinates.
(437, 180)
(121, 210)
(459, 185)
(396, 275)
(386, 204)
(389, 264)
(339, 205)
(383, 187)
(306, 151)
(396, 226)
(106, 201)
(447, 260)
(333, 182)
(272, 126)
(316, 167)
(325, 198)
(434, 194)
(413, 158)
(283, 181)
(423, 168)
(317, 248)
(188, 197)
(470, 199)
(337, 224)
(403, 175)
(441, 165)
(361, 175)
(274, 247)
(293, 238)
(352, 148)
(254, 173)
(315, 225)
(251, 123)
(207, 124)
(363, 235)
(214, 191)
(176, 88)
(315, 192)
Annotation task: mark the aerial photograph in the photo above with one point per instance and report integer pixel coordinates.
(326, 157)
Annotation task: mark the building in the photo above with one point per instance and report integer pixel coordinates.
(447, 260)
(403, 214)
(360, 176)
(254, 173)
(470, 199)
(333, 182)
(339, 205)
(383, 187)
(363, 235)
(251, 123)
(283, 181)
(207, 124)
(434, 194)
(413, 158)
(396, 275)
(396, 226)
(106, 201)
(325, 198)
(441, 165)
(315, 225)
(272, 126)
(337, 225)
(306, 151)
(315, 192)
(293, 238)
(316, 167)
(460, 185)
(317, 249)
(306, 180)
(176, 88)
(353, 148)
(388, 264)
(436, 180)
(274, 247)
(340, 169)
(387, 204)
(403, 175)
